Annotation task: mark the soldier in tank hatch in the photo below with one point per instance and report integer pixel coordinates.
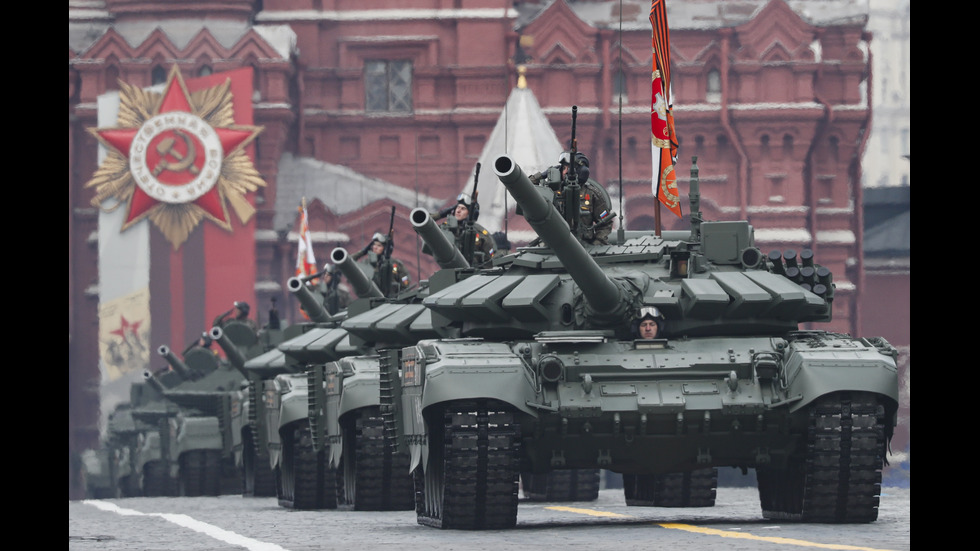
(595, 216)
(377, 254)
(461, 217)
(335, 297)
(648, 324)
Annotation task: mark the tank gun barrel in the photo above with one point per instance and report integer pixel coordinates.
(176, 363)
(313, 306)
(153, 382)
(605, 297)
(444, 251)
(363, 286)
(232, 352)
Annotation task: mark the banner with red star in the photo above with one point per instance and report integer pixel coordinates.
(176, 158)
(124, 335)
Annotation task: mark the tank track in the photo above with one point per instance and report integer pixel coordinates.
(471, 482)
(305, 481)
(156, 479)
(258, 480)
(838, 478)
(563, 485)
(374, 476)
(689, 489)
(200, 473)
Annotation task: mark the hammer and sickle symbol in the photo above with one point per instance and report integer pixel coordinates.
(166, 148)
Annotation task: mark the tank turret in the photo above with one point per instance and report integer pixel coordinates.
(176, 363)
(363, 285)
(312, 305)
(443, 249)
(606, 298)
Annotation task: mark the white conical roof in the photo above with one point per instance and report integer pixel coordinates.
(524, 133)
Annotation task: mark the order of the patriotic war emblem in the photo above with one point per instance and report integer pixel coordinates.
(176, 158)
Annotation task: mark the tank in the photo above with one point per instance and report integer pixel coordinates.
(548, 374)
(282, 426)
(143, 436)
(252, 353)
(204, 388)
(566, 485)
(344, 388)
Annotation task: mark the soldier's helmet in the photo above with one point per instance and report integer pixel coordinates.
(648, 313)
(379, 237)
(581, 164)
(243, 308)
(472, 206)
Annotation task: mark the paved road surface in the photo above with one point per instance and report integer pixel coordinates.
(258, 524)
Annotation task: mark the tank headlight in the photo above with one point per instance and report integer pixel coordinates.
(551, 369)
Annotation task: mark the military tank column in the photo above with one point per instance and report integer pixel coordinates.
(552, 375)
(661, 357)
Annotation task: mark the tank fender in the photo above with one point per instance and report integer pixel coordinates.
(358, 394)
(149, 449)
(505, 378)
(823, 363)
(293, 406)
(198, 433)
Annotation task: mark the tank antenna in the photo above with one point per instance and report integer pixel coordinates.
(620, 76)
(695, 200)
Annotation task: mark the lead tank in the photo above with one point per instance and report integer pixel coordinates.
(548, 375)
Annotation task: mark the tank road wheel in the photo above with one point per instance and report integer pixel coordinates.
(156, 479)
(191, 473)
(472, 473)
(258, 480)
(305, 480)
(564, 485)
(838, 477)
(374, 478)
(690, 489)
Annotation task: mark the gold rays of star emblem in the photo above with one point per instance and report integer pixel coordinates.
(176, 158)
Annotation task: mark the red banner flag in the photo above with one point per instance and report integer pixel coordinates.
(663, 139)
(305, 260)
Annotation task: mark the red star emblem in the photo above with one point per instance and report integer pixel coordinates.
(174, 156)
(126, 327)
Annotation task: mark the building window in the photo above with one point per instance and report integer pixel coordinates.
(158, 75)
(388, 86)
(714, 86)
(619, 88)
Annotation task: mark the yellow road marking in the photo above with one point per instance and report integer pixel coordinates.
(786, 541)
(721, 533)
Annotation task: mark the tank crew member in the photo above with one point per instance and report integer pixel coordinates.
(464, 213)
(239, 312)
(649, 324)
(595, 216)
(594, 203)
(372, 256)
(335, 297)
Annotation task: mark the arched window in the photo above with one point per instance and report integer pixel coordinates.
(159, 75)
(619, 88)
(714, 86)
